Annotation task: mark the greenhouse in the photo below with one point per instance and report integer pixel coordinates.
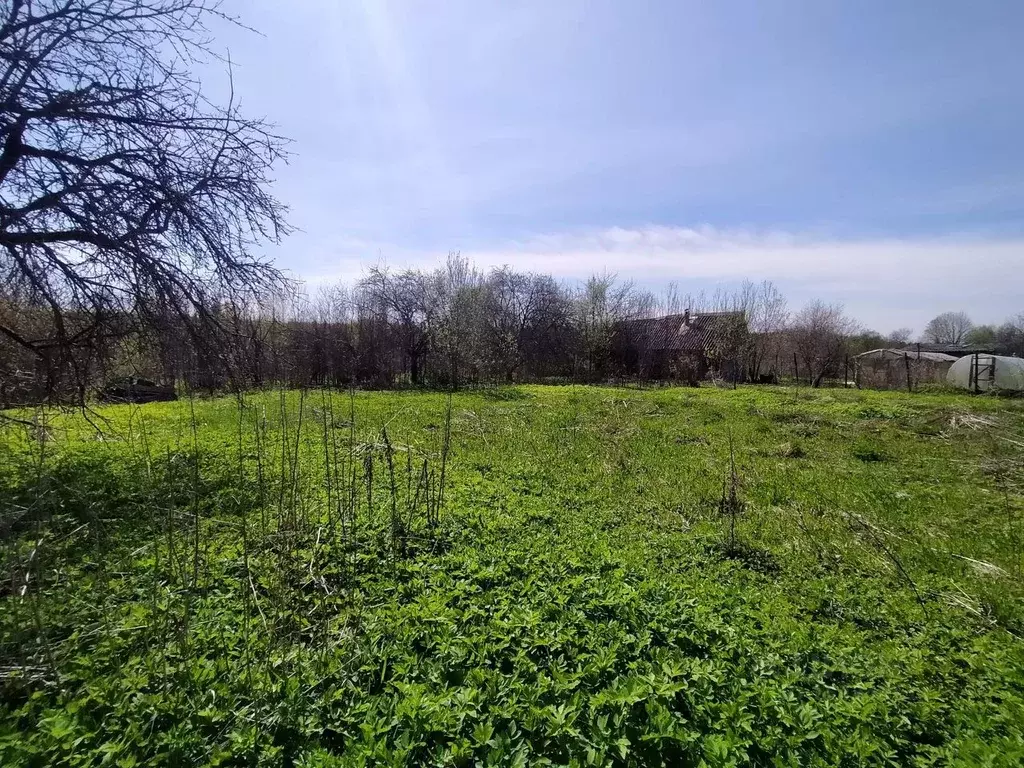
(900, 369)
(981, 373)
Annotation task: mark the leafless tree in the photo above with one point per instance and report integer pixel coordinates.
(126, 196)
(407, 305)
(766, 311)
(900, 337)
(671, 302)
(819, 332)
(948, 328)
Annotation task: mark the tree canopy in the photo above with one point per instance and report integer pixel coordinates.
(948, 328)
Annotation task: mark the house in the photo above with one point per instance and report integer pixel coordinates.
(685, 347)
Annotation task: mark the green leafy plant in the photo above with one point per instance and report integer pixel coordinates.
(320, 579)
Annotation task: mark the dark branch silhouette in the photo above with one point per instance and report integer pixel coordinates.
(126, 196)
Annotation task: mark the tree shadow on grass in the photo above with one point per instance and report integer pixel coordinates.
(87, 504)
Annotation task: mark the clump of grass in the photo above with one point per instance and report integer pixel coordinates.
(876, 411)
(868, 451)
(792, 450)
(752, 558)
(504, 394)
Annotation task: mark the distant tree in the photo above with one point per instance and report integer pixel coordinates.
(819, 335)
(459, 329)
(125, 193)
(766, 312)
(671, 303)
(731, 347)
(948, 328)
(600, 304)
(982, 336)
(1009, 338)
(900, 337)
(513, 305)
(406, 304)
(864, 340)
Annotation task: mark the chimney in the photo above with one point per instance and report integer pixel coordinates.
(686, 317)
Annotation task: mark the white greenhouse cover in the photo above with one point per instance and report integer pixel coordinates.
(993, 372)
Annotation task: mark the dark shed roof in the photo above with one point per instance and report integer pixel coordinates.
(935, 357)
(957, 350)
(679, 333)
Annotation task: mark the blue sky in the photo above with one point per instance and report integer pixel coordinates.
(864, 152)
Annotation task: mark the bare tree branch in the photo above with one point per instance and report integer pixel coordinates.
(124, 191)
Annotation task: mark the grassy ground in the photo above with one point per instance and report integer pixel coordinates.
(282, 581)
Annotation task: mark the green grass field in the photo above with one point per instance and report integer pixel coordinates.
(581, 578)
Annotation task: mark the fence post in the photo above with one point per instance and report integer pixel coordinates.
(906, 361)
(796, 371)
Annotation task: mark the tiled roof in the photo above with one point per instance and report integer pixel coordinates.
(677, 333)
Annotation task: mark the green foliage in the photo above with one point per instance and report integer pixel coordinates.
(792, 450)
(287, 584)
(868, 450)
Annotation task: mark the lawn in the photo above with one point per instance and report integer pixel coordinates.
(516, 577)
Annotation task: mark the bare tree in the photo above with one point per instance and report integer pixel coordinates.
(766, 312)
(948, 328)
(517, 308)
(900, 337)
(124, 192)
(671, 302)
(406, 303)
(819, 332)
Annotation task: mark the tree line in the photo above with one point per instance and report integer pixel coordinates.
(958, 328)
(449, 327)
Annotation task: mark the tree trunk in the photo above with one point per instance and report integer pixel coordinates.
(414, 367)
